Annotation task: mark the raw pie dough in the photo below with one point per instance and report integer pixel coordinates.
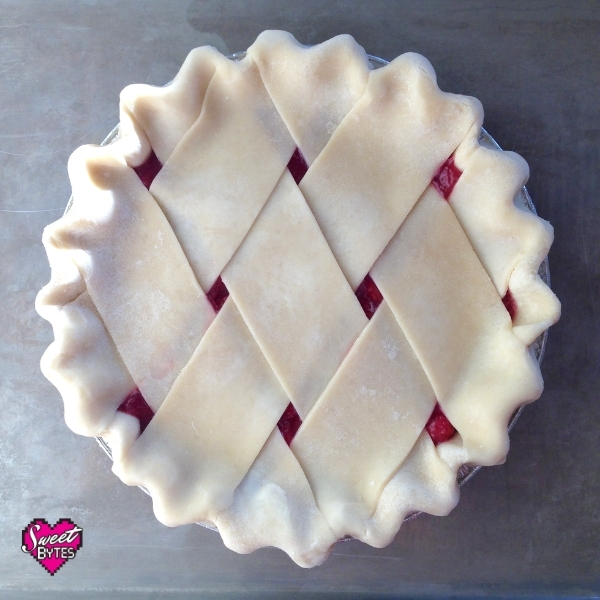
(131, 268)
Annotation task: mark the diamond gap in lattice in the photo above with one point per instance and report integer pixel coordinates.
(289, 423)
(446, 177)
(369, 296)
(439, 427)
(149, 169)
(135, 405)
(217, 294)
(510, 304)
(297, 166)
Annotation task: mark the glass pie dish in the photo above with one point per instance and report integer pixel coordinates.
(465, 472)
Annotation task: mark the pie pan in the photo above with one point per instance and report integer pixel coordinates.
(486, 140)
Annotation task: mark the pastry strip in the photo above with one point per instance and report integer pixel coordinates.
(224, 169)
(381, 158)
(274, 506)
(293, 296)
(455, 321)
(210, 428)
(166, 113)
(313, 87)
(134, 270)
(364, 425)
(424, 482)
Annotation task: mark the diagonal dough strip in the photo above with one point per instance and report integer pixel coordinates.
(121, 242)
(205, 436)
(382, 157)
(314, 87)
(224, 169)
(166, 113)
(364, 425)
(455, 321)
(293, 296)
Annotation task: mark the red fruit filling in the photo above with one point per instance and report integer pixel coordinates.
(297, 166)
(217, 294)
(510, 304)
(149, 169)
(137, 407)
(438, 427)
(289, 423)
(446, 177)
(369, 296)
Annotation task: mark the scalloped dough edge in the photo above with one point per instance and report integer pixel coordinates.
(510, 241)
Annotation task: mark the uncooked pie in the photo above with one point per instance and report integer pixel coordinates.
(296, 295)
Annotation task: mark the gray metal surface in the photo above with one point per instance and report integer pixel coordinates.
(530, 527)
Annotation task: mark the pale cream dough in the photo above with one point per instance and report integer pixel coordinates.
(121, 434)
(206, 434)
(83, 362)
(66, 282)
(424, 482)
(509, 240)
(293, 296)
(381, 158)
(85, 367)
(364, 425)
(482, 200)
(458, 327)
(134, 270)
(132, 143)
(224, 169)
(314, 87)
(166, 113)
(537, 307)
(274, 506)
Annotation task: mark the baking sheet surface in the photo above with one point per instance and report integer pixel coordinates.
(529, 527)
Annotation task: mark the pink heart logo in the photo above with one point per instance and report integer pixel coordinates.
(51, 546)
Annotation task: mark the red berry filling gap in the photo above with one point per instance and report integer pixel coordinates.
(137, 407)
(297, 166)
(439, 427)
(149, 169)
(289, 423)
(217, 294)
(510, 304)
(446, 177)
(369, 296)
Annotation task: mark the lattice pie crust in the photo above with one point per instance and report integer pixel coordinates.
(134, 273)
